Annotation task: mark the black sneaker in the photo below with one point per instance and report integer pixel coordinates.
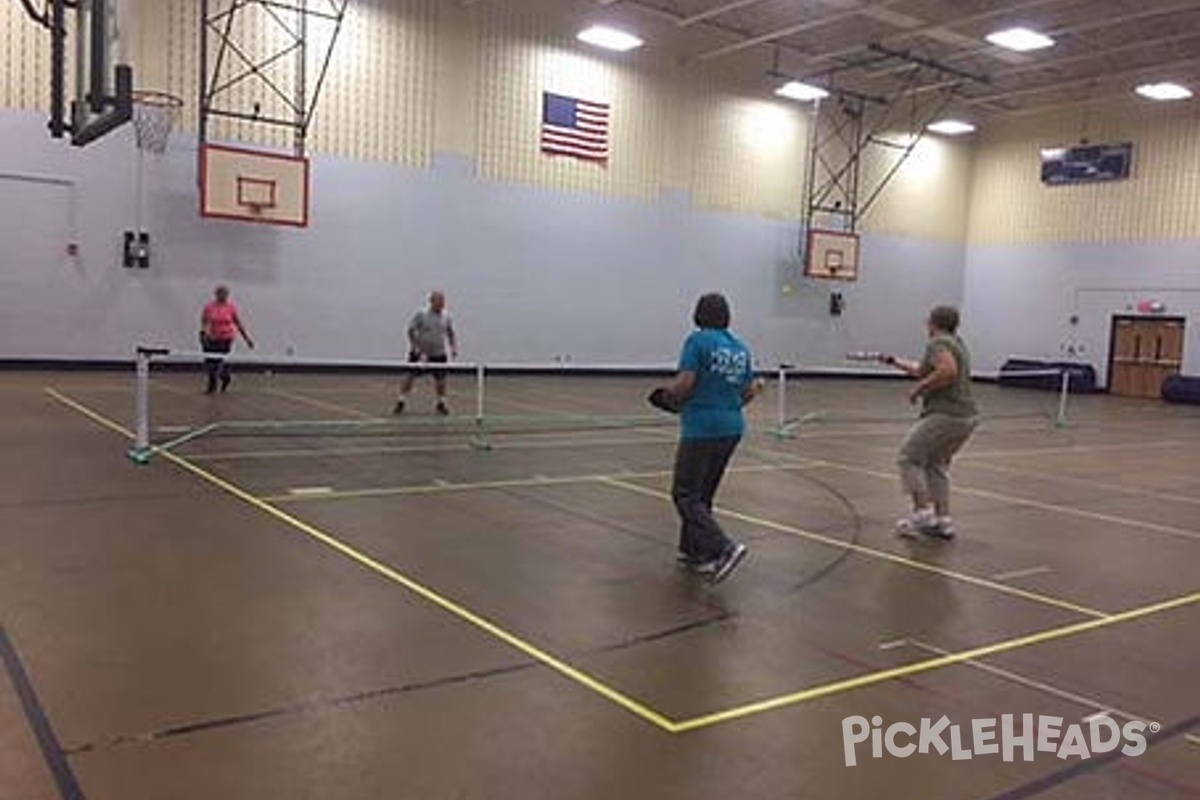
(442, 410)
(225, 380)
(728, 562)
(399, 407)
(944, 530)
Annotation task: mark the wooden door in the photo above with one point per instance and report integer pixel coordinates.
(1144, 352)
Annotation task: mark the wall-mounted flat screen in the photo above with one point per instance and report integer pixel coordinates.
(1086, 163)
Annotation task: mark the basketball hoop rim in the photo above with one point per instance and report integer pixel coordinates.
(156, 99)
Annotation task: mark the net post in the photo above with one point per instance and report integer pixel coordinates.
(781, 423)
(1064, 392)
(140, 454)
(480, 441)
(480, 395)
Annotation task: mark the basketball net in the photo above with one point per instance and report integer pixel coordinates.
(154, 117)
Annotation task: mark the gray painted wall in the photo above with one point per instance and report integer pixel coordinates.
(532, 274)
(1019, 299)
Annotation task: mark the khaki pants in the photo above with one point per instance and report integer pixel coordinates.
(926, 454)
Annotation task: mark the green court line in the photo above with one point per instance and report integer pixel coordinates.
(510, 483)
(337, 452)
(325, 405)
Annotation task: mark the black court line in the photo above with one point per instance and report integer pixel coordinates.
(304, 707)
(39, 723)
(1078, 770)
(343, 701)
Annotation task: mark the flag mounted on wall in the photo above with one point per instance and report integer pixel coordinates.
(573, 127)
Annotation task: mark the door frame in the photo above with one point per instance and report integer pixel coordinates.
(1112, 336)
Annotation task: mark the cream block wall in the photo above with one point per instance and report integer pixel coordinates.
(1161, 200)
(519, 58)
(929, 196)
(413, 77)
(25, 59)
(748, 155)
(377, 103)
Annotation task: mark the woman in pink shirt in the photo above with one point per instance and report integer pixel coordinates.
(219, 327)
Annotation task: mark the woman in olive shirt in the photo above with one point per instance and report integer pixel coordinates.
(948, 417)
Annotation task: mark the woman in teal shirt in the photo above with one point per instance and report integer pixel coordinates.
(716, 378)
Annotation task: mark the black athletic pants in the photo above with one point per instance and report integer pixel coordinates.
(699, 466)
(217, 367)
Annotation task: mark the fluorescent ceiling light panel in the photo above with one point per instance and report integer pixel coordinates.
(951, 127)
(609, 38)
(1164, 91)
(796, 90)
(1020, 39)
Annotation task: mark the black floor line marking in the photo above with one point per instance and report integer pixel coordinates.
(1078, 770)
(320, 705)
(294, 709)
(39, 723)
(631, 531)
(855, 535)
(856, 527)
(83, 500)
(658, 636)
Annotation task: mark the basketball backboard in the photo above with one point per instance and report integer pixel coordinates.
(832, 255)
(253, 186)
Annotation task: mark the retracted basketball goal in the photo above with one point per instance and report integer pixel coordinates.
(253, 186)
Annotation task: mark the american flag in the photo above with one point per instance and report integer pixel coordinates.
(574, 127)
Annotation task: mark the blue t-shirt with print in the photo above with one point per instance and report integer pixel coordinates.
(723, 369)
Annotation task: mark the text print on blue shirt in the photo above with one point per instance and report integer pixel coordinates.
(732, 365)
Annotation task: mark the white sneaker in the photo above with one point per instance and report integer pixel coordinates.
(917, 522)
(943, 528)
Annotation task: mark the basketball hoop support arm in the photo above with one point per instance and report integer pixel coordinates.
(228, 62)
(848, 126)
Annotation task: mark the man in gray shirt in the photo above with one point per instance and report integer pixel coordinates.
(429, 332)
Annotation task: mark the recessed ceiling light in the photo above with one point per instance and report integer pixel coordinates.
(609, 38)
(1020, 39)
(804, 92)
(1164, 91)
(951, 127)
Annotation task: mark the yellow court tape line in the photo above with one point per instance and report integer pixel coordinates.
(1008, 498)
(1112, 487)
(510, 483)
(1066, 449)
(94, 416)
(1127, 522)
(880, 554)
(928, 665)
(463, 613)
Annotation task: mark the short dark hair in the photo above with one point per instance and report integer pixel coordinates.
(944, 318)
(712, 311)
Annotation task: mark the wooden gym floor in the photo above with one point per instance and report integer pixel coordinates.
(368, 616)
